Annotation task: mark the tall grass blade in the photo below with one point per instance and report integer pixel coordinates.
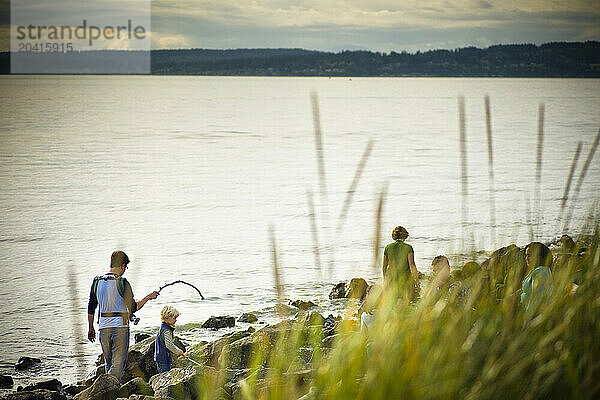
(276, 274)
(78, 333)
(378, 218)
(582, 174)
(538, 167)
(565, 195)
(314, 98)
(492, 193)
(462, 128)
(353, 185)
(313, 228)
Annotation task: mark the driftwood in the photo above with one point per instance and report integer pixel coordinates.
(189, 284)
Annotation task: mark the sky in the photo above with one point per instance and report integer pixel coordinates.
(379, 25)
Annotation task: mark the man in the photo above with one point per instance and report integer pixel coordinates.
(114, 296)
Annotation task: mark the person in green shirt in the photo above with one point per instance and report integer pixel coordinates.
(399, 260)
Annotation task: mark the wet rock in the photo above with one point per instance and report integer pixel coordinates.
(141, 336)
(72, 390)
(6, 382)
(357, 288)
(219, 322)
(302, 305)
(338, 291)
(135, 386)
(248, 317)
(178, 383)
(237, 355)
(140, 360)
(145, 397)
(53, 385)
(92, 376)
(38, 394)
(329, 325)
(210, 352)
(26, 362)
(106, 387)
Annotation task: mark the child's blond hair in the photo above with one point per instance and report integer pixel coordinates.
(168, 312)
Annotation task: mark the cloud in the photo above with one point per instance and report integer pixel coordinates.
(371, 24)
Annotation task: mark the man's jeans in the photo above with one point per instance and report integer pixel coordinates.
(115, 345)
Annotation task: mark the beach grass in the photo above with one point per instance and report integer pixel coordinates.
(472, 340)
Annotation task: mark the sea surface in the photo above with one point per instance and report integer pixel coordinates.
(189, 175)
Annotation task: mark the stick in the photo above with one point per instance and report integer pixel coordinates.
(195, 362)
(189, 284)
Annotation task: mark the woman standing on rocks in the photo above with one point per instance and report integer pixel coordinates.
(399, 261)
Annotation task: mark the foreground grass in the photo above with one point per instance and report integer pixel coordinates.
(473, 341)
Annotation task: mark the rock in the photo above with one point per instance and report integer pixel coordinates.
(178, 383)
(106, 387)
(6, 382)
(338, 291)
(53, 385)
(329, 325)
(248, 317)
(92, 376)
(357, 288)
(38, 394)
(135, 386)
(72, 390)
(237, 354)
(26, 362)
(144, 397)
(302, 305)
(210, 352)
(219, 322)
(140, 360)
(141, 336)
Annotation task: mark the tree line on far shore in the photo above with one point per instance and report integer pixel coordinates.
(561, 59)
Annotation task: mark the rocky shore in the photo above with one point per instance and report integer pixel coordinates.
(232, 361)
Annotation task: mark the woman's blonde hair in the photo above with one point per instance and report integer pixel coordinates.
(168, 312)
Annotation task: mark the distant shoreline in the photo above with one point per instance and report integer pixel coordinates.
(550, 60)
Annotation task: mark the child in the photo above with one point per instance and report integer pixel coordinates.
(164, 345)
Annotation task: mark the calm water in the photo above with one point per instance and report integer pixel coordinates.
(186, 174)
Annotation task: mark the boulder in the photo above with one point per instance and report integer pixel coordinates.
(178, 383)
(38, 394)
(53, 385)
(210, 352)
(237, 354)
(302, 305)
(26, 363)
(145, 397)
(140, 361)
(106, 387)
(135, 386)
(219, 322)
(92, 376)
(338, 291)
(72, 390)
(6, 382)
(329, 325)
(141, 336)
(357, 288)
(248, 317)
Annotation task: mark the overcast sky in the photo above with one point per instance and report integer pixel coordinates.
(382, 25)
